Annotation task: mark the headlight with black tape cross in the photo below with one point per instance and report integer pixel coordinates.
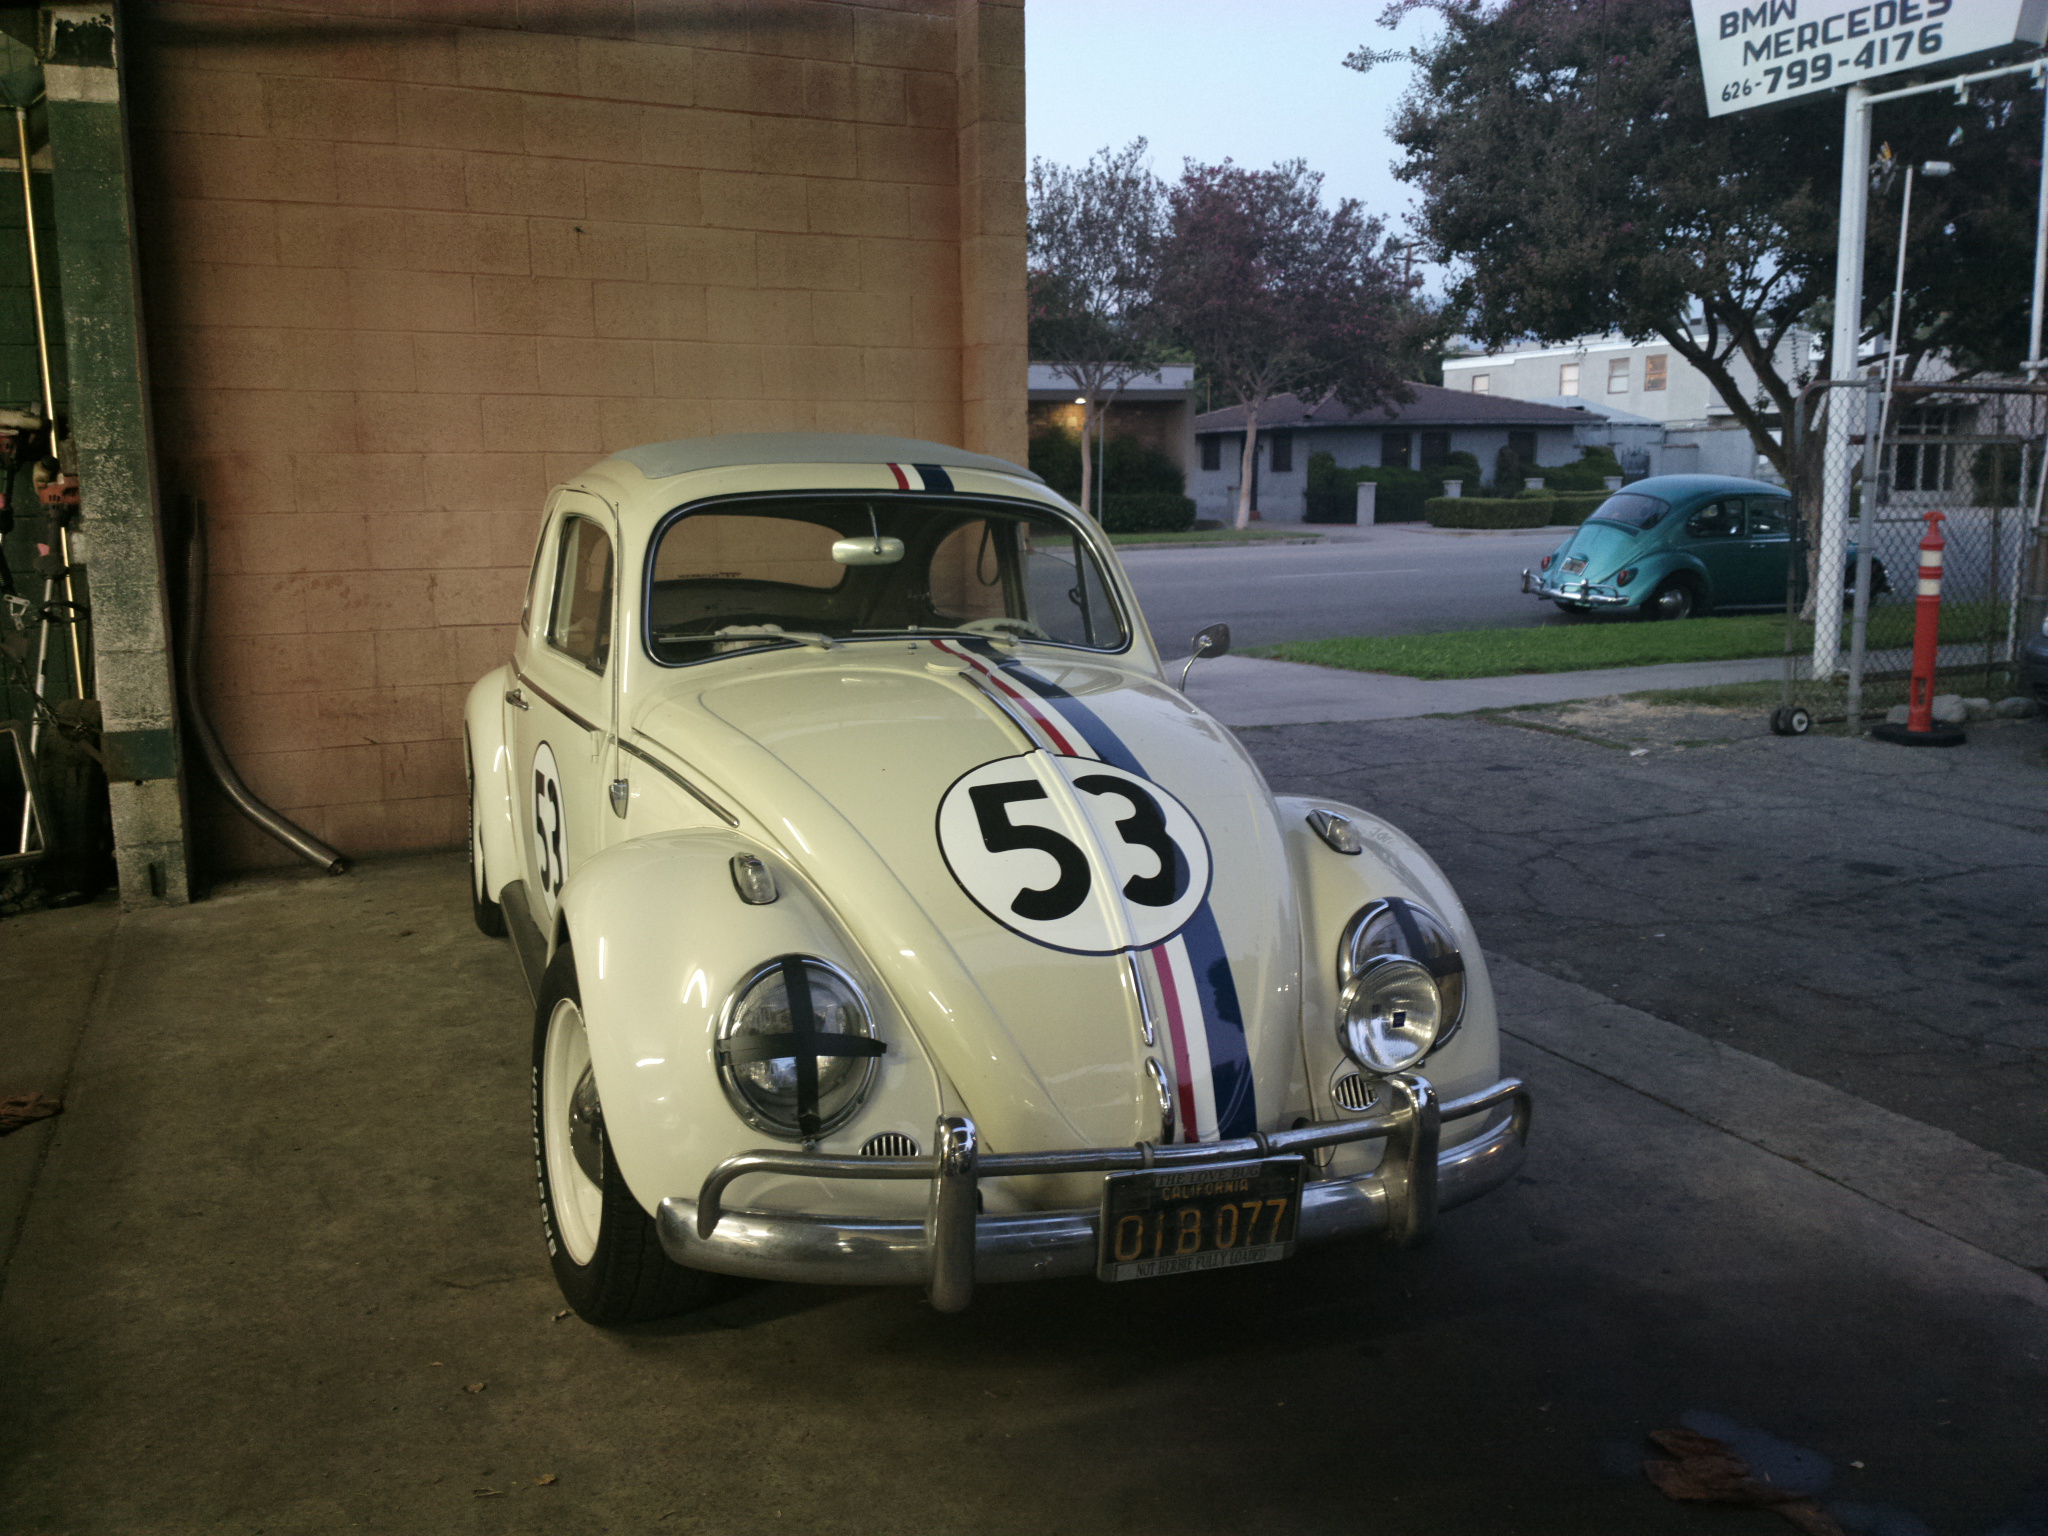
(797, 1052)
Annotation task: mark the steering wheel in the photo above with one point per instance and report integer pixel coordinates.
(1004, 626)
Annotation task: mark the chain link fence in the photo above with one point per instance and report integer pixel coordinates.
(1869, 470)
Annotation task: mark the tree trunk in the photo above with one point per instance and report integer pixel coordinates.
(1087, 480)
(1250, 462)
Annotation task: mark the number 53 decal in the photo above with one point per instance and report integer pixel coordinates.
(1028, 848)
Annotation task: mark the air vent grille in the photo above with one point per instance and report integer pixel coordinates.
(1355, 1093)
(890, 1144)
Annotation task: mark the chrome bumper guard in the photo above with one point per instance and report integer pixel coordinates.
(954, 1247)
(1568, 592)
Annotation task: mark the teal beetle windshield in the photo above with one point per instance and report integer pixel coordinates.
(1631, 509)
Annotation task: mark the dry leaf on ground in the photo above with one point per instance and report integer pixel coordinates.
(26, 1109)
(1700, 1469)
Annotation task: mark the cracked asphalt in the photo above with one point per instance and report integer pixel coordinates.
(1863, 914)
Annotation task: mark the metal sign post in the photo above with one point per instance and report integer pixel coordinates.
(1754, 55)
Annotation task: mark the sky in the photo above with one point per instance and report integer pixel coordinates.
(1205, 79)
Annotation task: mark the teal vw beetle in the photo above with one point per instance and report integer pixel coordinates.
(1676, 545)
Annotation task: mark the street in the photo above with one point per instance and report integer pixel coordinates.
(1391, 579)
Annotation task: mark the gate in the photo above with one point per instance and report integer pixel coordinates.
(1971, 451)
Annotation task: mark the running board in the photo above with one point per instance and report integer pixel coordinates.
(528, 943)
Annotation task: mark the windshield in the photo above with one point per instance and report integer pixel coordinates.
(740, 574)
(1631, 509)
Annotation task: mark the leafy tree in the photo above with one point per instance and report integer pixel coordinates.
(1568, 167)
(1093, 234)
(1276, 293)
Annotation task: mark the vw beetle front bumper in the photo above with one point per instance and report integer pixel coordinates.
(1591, 595)
(954, 1247)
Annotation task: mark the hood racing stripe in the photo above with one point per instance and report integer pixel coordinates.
(1213, 1065)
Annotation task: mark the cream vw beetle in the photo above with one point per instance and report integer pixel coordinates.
(892, 919)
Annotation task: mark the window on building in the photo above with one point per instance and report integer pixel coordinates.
(1522, 444)
(1617, 376)
(1436, 449)
(1281, 454)
(1568, 379)
(1482, 383)
(1921, 461)
(1655, 367)
(1212, 452)
(1394, 450)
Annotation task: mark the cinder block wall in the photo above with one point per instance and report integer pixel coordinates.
(402, 274)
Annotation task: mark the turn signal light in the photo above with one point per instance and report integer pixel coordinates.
(1546, 562)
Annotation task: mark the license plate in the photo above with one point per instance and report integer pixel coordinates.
(1172, 1221)
(1574, 565)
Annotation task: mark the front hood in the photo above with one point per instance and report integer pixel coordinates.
(1606, 547)
(1019, 843)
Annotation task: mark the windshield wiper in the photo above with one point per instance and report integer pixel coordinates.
(765, 632)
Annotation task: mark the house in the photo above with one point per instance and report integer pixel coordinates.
(1420, 433)
(1666, 417)
(1158, 409)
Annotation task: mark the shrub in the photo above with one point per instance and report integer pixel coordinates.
(1590, 473)
(1576, 506)
(1333, 492)
(1130, 467)
(1509, 472)
(1490, 511)
(1147, 512)
(1056, 459)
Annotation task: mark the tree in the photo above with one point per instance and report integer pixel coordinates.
(1276, 293)
(1093, 233)
(1569, 169)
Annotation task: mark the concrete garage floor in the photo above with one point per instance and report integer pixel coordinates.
(281, 1272)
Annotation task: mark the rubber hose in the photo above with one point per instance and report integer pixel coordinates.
(292, 835)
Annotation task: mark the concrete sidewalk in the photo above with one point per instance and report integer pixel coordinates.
(282, 1272)
(1249, 690)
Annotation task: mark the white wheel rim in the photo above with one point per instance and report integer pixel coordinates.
(576, 1198)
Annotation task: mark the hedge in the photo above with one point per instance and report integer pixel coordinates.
(1147, 512)
(1490, 511)
(1577, 507)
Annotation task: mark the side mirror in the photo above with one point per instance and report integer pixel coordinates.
(1211, 640)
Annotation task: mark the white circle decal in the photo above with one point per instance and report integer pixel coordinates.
(1074, 854)
(549, 836)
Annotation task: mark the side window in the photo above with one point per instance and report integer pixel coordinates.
(1767, 517)
(580, 623)
(1716, 520)
(1212, 452)
(1281, 452)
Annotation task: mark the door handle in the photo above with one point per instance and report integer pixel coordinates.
(516, 699)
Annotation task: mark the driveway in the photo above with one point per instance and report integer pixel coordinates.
(282, 1272)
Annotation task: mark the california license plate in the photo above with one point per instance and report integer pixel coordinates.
(1576, 564)
(1169, 1221)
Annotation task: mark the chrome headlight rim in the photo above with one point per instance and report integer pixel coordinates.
(743, 1104)
(1374, 978)
(1417, 926)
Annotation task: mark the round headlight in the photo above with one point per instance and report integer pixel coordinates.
(1388, 1015)
(796, 1048)
(1399, 927)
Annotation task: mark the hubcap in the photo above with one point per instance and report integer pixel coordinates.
(572, 1133)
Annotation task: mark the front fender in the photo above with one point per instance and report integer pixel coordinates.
(490, 770)
(662, 939)
(1332, 887)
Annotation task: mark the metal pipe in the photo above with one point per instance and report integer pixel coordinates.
(2040, 246)
(1842, 365)
(35, 288)
(293, 836)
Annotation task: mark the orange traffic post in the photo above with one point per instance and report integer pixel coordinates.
(1920, 729)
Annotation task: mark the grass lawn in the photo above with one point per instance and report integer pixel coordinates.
(1216, 536)
(1587, 646)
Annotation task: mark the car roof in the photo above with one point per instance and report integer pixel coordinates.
(1683, 487)
(658, 461)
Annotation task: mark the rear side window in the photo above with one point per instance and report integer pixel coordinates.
(1717, 520)
(1767, 516)
(1631, 509)
(580, 621)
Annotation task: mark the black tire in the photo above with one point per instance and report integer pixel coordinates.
(625, 1276)
(490, 917)
(1790, 720)
(1677, 598)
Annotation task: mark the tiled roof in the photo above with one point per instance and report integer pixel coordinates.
(1430, 407)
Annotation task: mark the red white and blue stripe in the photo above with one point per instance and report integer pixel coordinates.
(1203, 1017)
